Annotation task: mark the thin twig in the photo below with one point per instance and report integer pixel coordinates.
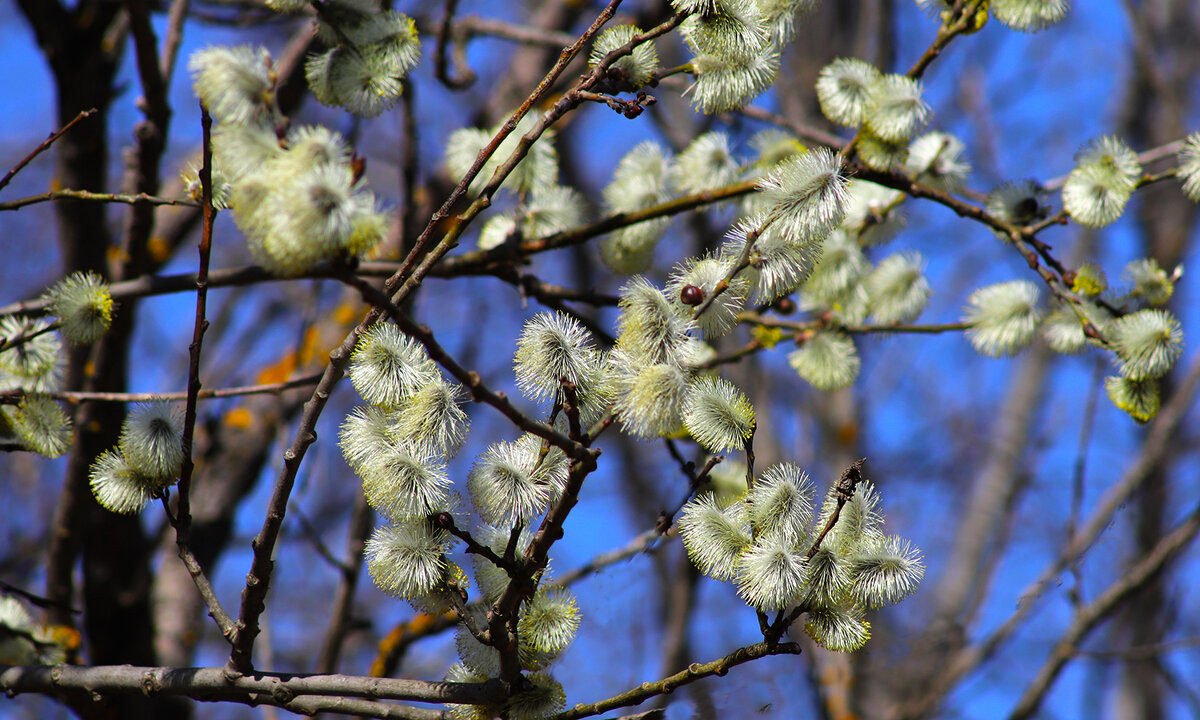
(181, 521)
(121, 397)
(43, 147)
(961, 21)
(844, 490)
(132, 199)
(200, 326)
(1091, 615)
(174, 38)
(441, 68)
(694, 672)
(361, 521)
(409, 160)
(403, 282)
(480, 260)
(35, 599)
(222, 618)
(1157, 441)
(445, 521)
(314, 537)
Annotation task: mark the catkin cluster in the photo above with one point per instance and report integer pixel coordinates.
(768, 543)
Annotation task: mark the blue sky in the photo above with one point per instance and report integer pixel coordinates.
(1035, 110)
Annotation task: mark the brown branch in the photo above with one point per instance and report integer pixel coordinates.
(199, 327)
(441, 68)
(181, 520)
(150, 140)
(1162, 429)
(196, 571)
(43, 147)
(446, 522)
(258, 579)
(170, 51)
(641, 543)
(398, 286)
(123, 397)
(479, 261)
(409, 160)
(502, 619)
(1091, 615)
(128, 199)
(480, 392)
(361, 522)
(844, 489)
(569, 101)
(694, 672)
(213, 684)
(401, 284)
(961, 21)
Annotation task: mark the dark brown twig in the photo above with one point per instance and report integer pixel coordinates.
(446, 522)
(694, 672)
(128, 199)
(361, 522)
(43, 147)
(181, 521)
(410, 275)
(1091, 615)
(844, 490)
(441, 68)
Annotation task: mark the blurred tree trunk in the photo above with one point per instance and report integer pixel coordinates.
(83, 47)
(1156, 110)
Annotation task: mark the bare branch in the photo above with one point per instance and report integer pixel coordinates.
(694, 672)
(45, 145)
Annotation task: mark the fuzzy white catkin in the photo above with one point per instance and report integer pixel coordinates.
(83, 305)
(781, 502)
(718, 415)
(1139, 398)
(387, 366)
(42, 426)
(1147, 342)
(151, 442)
(837, 629)
(117, 486)
(552, 347)
(844, 90)
(885, 571)
(714, 537)
(771, 574)
(407, 559)
(1003, 317)
(637, 67)
(827, 360)
(806, 194)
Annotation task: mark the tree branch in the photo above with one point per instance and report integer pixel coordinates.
(212, 684)
(694, 672)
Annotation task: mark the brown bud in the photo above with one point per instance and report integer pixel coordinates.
(691, 295)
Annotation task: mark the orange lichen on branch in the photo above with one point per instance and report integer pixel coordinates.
(238, 418)
(401, 635)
